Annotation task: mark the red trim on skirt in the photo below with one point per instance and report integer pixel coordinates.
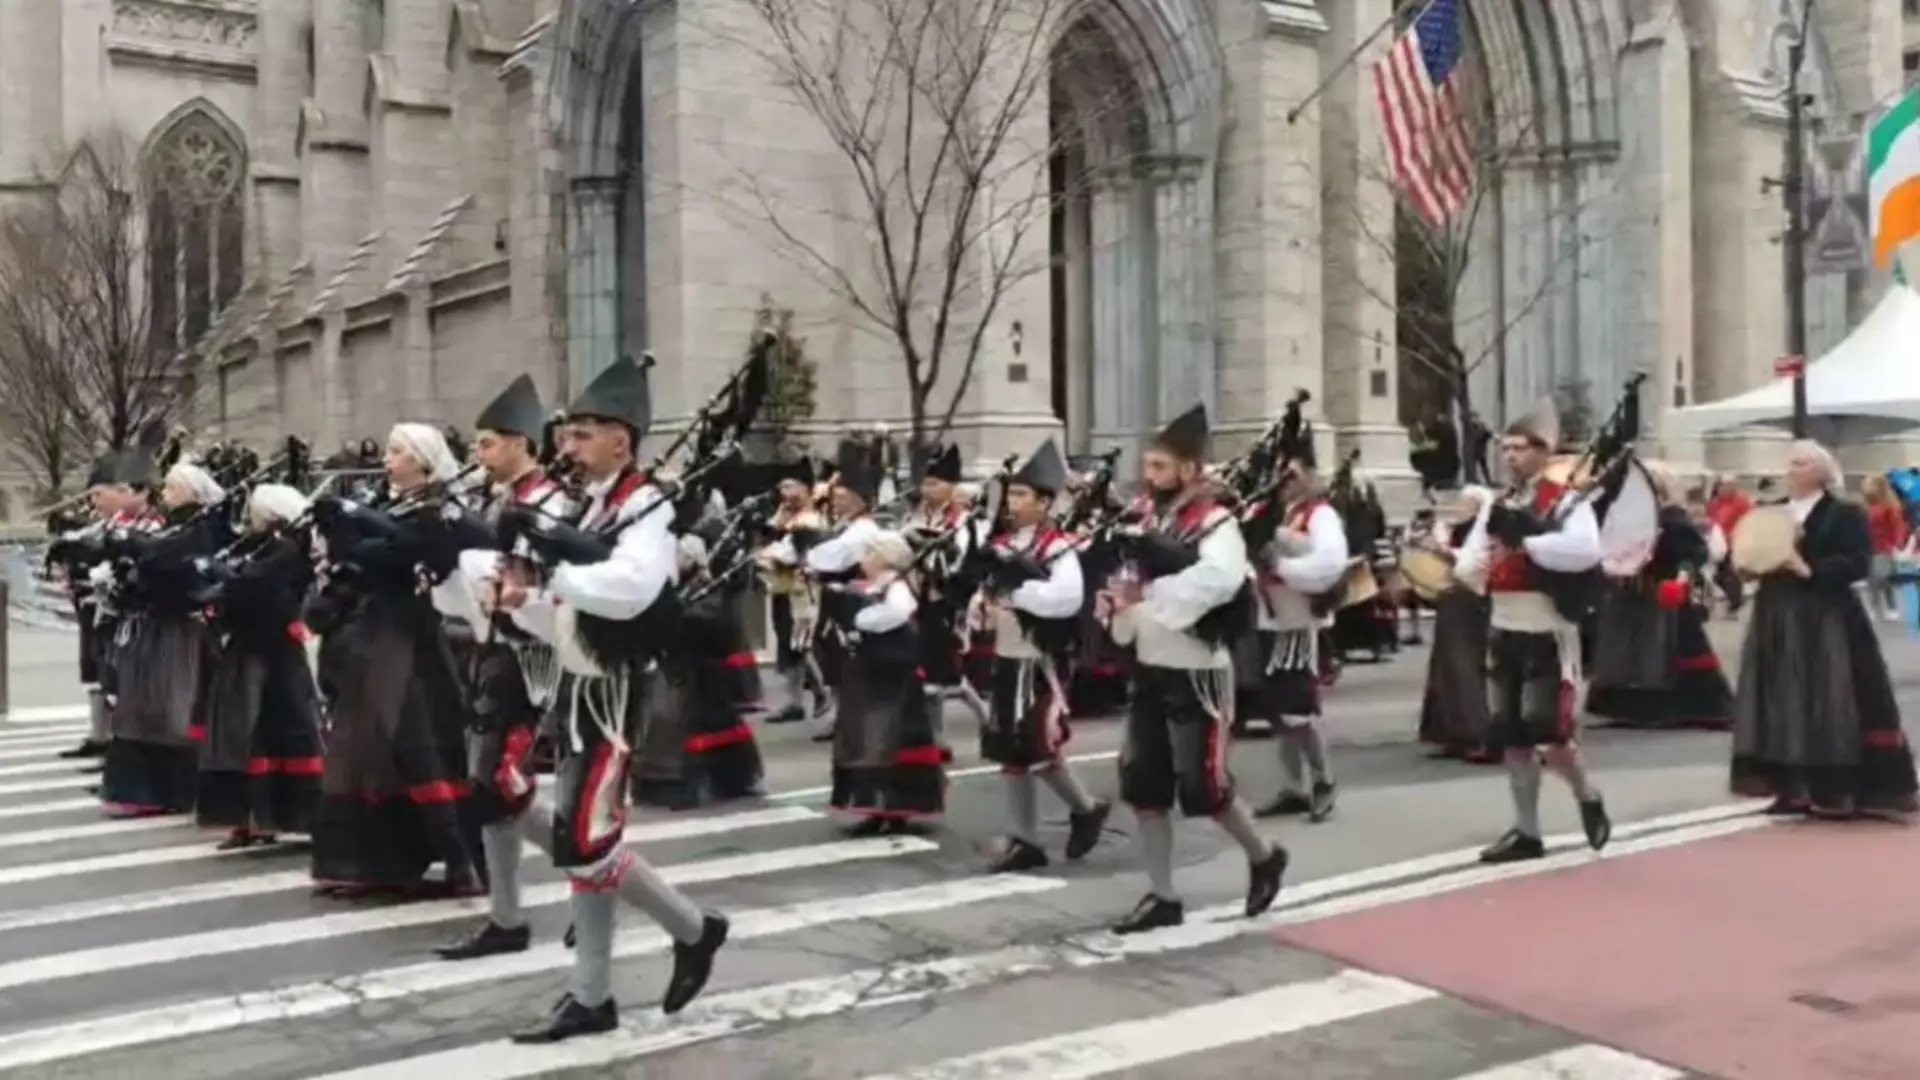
(741, 660)
(733, 736)
(919, 755)
(303, 766)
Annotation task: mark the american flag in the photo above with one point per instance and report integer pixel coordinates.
(1418, 87)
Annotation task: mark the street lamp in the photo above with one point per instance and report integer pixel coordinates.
(1792, 186)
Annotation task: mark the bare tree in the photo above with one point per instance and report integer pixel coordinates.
(44, 435)
(936, 115)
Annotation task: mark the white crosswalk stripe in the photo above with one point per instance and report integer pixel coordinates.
(136, 948)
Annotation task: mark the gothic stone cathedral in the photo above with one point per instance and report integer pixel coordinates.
(408, 201)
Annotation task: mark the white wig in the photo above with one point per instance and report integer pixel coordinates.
(275, 503)
(892, 550)
(1830, 475)
(199, 483)
(429, 447)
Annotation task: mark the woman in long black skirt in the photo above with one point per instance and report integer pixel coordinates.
(1453, 710)
(1654, 664)
(261, 764)
(152, 761)
(1816, 725)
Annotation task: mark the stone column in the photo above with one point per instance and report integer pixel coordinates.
(1078, 331)
(275, 156)
(334, 213)
(1360, 371)
(1182, 326)
(411, 125)
(30, 89)
(1113, 396)
(593, 278)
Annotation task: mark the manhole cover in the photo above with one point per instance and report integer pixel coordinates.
(1822, 1003)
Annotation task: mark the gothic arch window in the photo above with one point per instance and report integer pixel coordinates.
(196, 226)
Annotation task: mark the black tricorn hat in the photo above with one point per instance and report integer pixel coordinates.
(945, 465)
(1187, 436)
(619, 394)
(1045, 471)
(800, 470)
(516, 411)
(103, 470)
(135, 467)
(859, 471)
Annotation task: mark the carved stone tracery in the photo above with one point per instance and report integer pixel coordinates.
(184, 22)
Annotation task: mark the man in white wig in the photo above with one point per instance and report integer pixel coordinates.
(1522, 549)
(602, 614)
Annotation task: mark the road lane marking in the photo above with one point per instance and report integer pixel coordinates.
(1134, 1044)
(92, 831)
(67, 1041)
(50, 765)
(720, 1016)
(1580, 1063)
(78, 781)
(230, 940)
(752, 865)
(51, 735)
(58, 806)
(46, 714)
(677, 828)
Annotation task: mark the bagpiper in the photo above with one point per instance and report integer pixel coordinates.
(1179, 603)
(1033, 599)
(603, 613)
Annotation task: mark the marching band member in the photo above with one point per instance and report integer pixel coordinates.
(1453, 708)
(71, 566)
(1816, 724)
(514, 676)
(1190, 566)
(1655, 637)
(152, 763)
(720, 759)
(836, 558)
(602, 614)
(1533, 652)
(1306, 558)
(261, 764)
(1033, 603)
(886, 764)
(396, 764)
(788, 598)
(941, 518)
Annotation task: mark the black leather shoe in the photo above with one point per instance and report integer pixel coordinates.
(1595, 823)
(1515, 846)
(1285, 804)
(491, 939)
(87, 749)
(1152, 913)
(692, 964)
(1320, 803)
(1264, 879)
(569, 937)
(1084, 829)
(570, 1018)
(1018, 856)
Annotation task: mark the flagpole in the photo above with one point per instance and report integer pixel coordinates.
(1793, 185)
(1399, 9)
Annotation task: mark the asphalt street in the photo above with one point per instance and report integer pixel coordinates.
(134, 949)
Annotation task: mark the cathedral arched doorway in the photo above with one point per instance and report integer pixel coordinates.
(1133, 96)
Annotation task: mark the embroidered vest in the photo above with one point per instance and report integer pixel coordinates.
(1513, 571)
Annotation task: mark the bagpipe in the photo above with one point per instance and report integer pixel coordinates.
(1094, 503)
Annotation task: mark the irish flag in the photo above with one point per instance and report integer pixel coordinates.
(1893, 177)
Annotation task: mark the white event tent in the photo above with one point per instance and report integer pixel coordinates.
(1866, 386)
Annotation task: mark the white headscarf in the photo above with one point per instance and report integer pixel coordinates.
(272, 503)
(199, 483)
(429, 447)
(1831, 476)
